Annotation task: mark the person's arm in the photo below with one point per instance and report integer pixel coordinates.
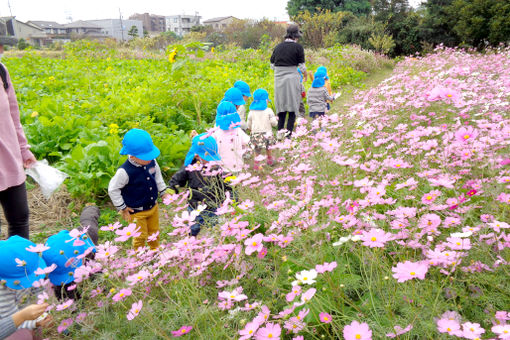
(26, 155)
(301, 62)
(119, 181)
(242, 114)
(328, 86)
(327, 96)
(7, 327)
(249, 121)
(160, 182)
(179, 179)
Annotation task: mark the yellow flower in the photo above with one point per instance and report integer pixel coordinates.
(230, 178)
(105, 85)
(51, 78)
(171, 56)
(114, 129)
(212, 49)
(34, 114)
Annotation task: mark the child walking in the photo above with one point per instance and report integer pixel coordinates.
(317, 98)
(231, 139)
(322, 71)
(204, 181)
(138, 182)
(261, 119)
(241, 109)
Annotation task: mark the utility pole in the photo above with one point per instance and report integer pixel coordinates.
(121, 25)
(10, 9)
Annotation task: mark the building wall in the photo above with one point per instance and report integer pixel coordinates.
(112, 28)
(181, 24)
(219, 25)
(24, 31)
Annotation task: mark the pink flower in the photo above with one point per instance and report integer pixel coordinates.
(465, 134)
(125, 234)
(430, 197)
(294, 325)
(65, 305)
(46, 270)
(296, 290)
(111, 227)
(181, 331)
(503, 331)
(326, 267)
(249, 330)
(233, 295)
(357, 331)
(39, 248)
(272, 331)
(153, 237)
(472, 330)
(451, 327)
(136, 307)
(121, 295)
(375, 238)
(65, 324)
(325, 317)
(254, 244)
(410, 270)
(399, 331)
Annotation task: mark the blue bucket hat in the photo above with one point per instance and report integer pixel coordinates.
(322, 71)
(64, 254)
(235, 96)
(260, 98)
(318, 82)
(205, 147)
(243, 87)
(17, 264)
(226, 116)
(138, 143)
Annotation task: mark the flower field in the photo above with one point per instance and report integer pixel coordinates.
(77, 104)
(386, 220)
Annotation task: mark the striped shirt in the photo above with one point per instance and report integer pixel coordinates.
(10, 299)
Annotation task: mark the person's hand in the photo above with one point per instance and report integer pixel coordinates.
(29, 162)
(192, 134)
(126, 213)
(47, 322)
(34, 311)
(166, 195)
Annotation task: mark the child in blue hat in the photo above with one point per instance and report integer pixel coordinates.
(206, 187)
(322, 71)
(261, 119)
(317, 97)
(66, 252)
(138, 182)
(241, 109)
(232, 140)
(17, 275)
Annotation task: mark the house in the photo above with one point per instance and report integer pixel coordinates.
(85, 29)
(151, 23)
(19, 30)
(182, 24)
(220, 22)
(119, 29)
(51, 28)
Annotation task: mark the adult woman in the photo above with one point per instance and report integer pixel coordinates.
(287, 57)
(15, 154)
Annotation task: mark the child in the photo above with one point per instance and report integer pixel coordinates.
(317, 97)
(137, 184)
(245, 90)
(235, 96)
(232, 141)
(322, 71)
(260, 121)
(206, 186)
(66, 252)
(17, 275)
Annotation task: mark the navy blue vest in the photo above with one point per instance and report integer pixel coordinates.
(142, 190)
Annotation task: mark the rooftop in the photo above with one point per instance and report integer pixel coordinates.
(217, 19)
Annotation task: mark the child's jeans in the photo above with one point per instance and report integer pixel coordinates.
(314, 115)
(148, 222)
(206, 217)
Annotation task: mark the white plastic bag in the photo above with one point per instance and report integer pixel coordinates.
(48, 178)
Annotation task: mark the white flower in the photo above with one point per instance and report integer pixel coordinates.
(462, 235)
(356, 238)
(306, 276)
(342, 240)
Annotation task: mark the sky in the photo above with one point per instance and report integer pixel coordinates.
(61, 10)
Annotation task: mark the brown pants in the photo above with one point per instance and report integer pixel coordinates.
(148, 222)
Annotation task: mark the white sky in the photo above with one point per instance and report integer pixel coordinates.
(59, 10)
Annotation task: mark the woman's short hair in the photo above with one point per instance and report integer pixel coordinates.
(293, 32)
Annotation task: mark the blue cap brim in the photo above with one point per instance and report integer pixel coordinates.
(64, 277)
(27, 281)
(148, 156)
